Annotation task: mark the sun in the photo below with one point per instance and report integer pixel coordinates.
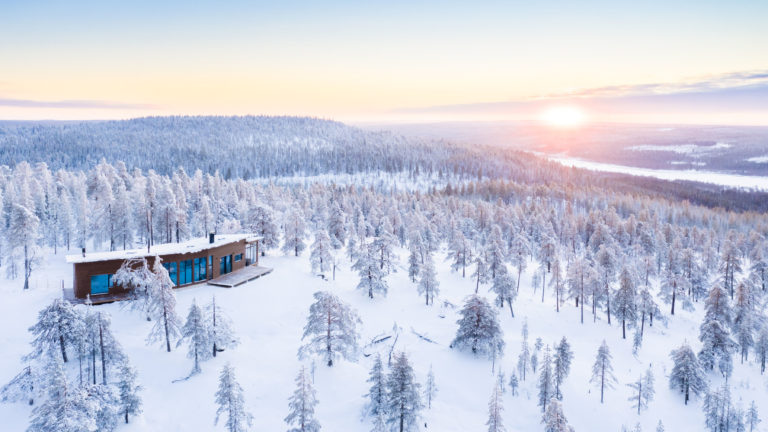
(564, 116)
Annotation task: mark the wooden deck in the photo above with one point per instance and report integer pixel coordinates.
(239, 277)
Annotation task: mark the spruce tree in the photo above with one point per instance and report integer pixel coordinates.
(643, 391)
(222, 334)
(128, 389)
(717, 345)
(430, 388)
(162, 307)
(58, 326)
(428, 284)
(197, 333)
(561, 365)
(495, 421)
(376, 407)
(479, 329)
(403, 398)
(687, 374)
(231, 403)
(301, 405)
(546, 384)
(602, 370)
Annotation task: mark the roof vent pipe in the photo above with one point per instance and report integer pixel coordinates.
(211, 238)
(83, 252)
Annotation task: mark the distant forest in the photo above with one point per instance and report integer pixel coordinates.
(263, 147)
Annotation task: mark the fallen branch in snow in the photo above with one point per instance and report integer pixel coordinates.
(191, 374)
(422, 337)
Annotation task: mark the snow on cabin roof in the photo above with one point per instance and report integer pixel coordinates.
(189, 246)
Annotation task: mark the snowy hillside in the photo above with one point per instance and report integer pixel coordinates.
(269, 314)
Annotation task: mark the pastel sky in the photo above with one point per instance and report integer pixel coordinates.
(385, 60)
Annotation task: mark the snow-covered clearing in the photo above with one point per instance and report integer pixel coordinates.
(269, 315)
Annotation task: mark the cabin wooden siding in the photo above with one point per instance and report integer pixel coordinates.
(83, 271)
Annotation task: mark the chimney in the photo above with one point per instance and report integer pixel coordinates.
(211, 238)
(83, 252)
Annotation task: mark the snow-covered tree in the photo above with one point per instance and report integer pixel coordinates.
(331, 329)
(67, 407)
(503, 286)
(376, 405)
(320, 252)
(561, 365)
(719, 413)
(104, 406)
(687, 374)
(751, 417)
(642, 390)
(21, 388)
(403, 396)
(336, 226)
(430, 388)
(744, 319)
(261, 221)
(761, 347)
(519, 251)
(602, 370)
(135, 276)
(581, 279)
(524, 359)
(513, 384)
(625, 300)
(301, 405)
(480, 273)
(479, 328)
(231, 402)
(495, 421)
(371, 276)
(546, 381)
(294, 232)
(460, 252)
(128, 391)
(22, 234)
(222, 334)
(162, 307)
(197, 334)
(717, 345)
(554, 420)
(58, 326)
(428, 284)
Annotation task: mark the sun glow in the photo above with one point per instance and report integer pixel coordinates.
(564, 116)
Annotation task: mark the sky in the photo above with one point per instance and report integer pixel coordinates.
(395, 61)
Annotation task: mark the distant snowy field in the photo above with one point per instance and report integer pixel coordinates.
(729, 180)
(269, 315)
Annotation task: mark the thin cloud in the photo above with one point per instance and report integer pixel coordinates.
(71, 104)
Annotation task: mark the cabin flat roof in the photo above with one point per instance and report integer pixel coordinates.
(190, 246)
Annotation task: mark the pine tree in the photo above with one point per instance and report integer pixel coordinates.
(230, 401)
(561, 365)
(519, 250)
(479, 328)
(581, 279)
(162, 307)
(495, 421)
(460, 252)
(197, 333)
(480, 274)
(294, 232)
(403, 399)
(302, 406)
(761, 347)
(537, 346)
(261, 221)
(430, 388)
(523, 360)
(687, 374)
(660, 427)
(626, 308)
(602, 370)
(371, 276)
(504, 288)
(377, 394)
(751, 418)
(643, 391)
(130, 401)
(331, 329)
(513, 384)
(336, 226)
(546, 384)
(58, 326)
(557, 282)
(105, 405)
(22, 233)
(67, 408)
(428, 284)
(554, 420)
(717, 344)
(222, 334)
(744, 316)
(320, 255)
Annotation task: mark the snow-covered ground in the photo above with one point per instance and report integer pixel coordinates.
(269, 315)
(711, 177)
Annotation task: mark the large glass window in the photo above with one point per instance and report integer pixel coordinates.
(200, 267)
(171, 267)
(100, 284)
(225, 264)
(185, 272)
(238, 257)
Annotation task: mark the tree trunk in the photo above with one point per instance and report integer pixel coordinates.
(167, 331)
(103, 360)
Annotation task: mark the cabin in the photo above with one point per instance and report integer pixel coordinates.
(214, 260)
